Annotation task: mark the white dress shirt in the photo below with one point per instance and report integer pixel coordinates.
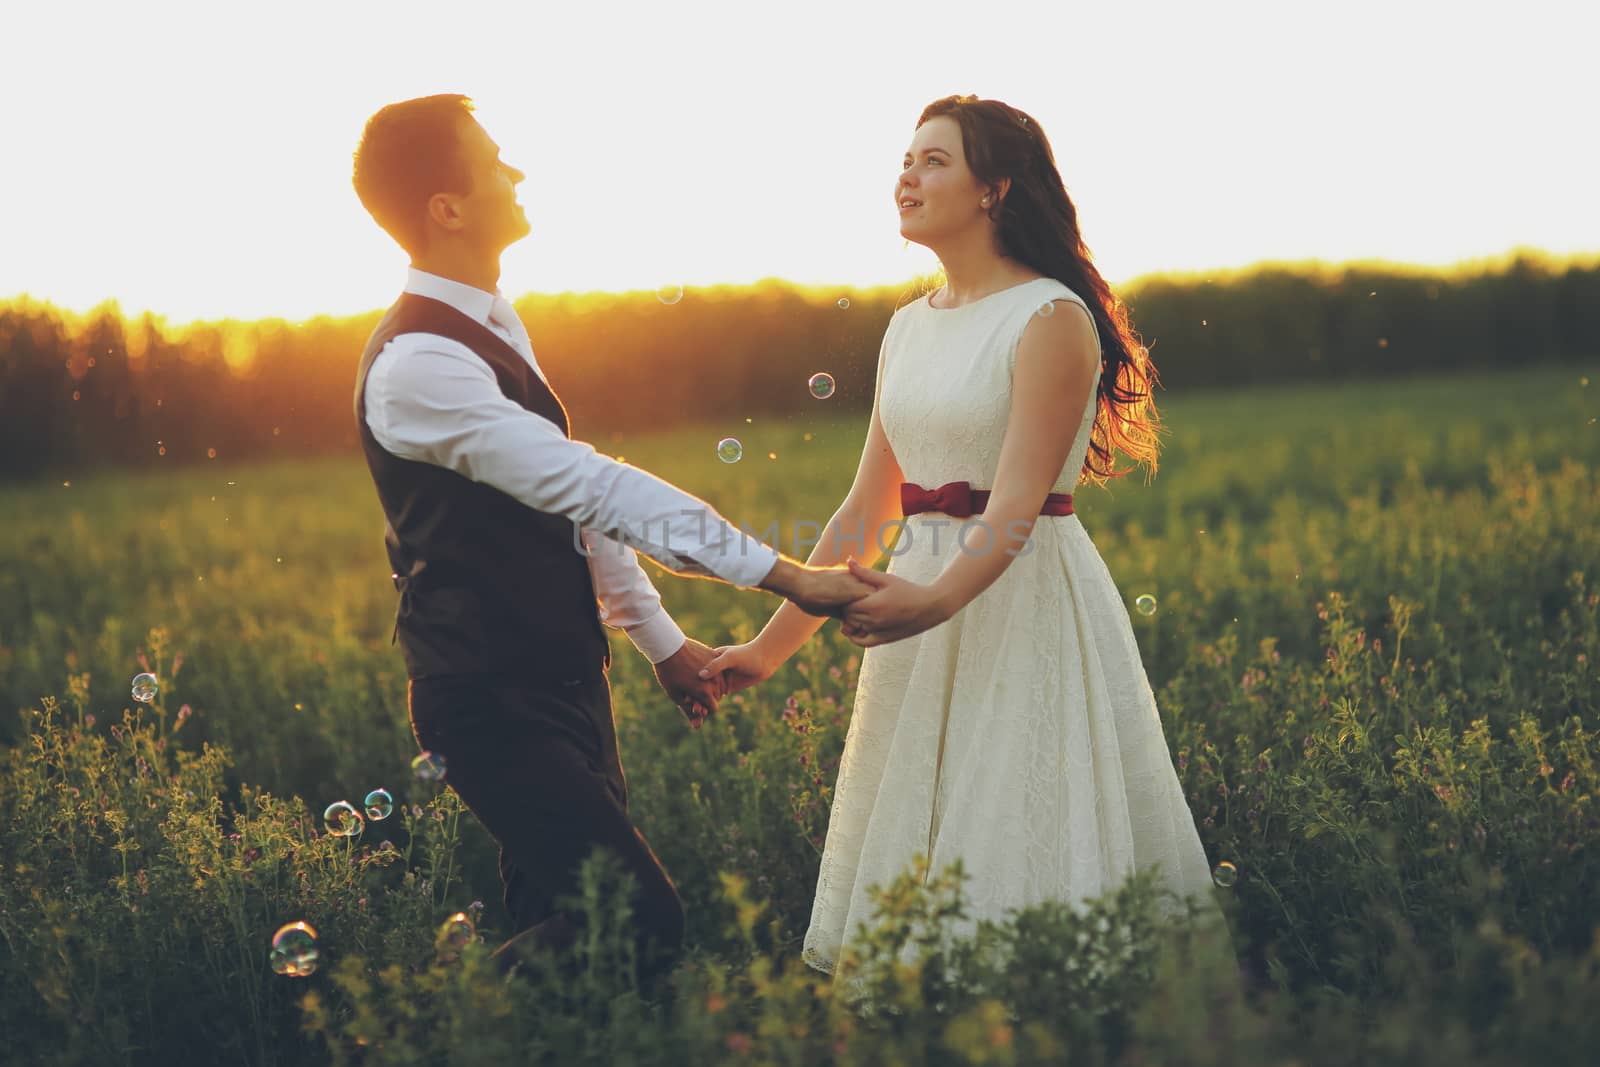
(433, 400)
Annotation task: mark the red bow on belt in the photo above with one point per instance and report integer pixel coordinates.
(959, 500)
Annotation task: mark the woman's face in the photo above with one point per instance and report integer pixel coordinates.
(937, 194)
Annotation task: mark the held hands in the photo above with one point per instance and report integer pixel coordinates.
(739, 667)
(680, 675)
(820, 591)
(897, 609)
(877, 608)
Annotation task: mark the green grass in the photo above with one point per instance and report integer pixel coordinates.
(1375, 656)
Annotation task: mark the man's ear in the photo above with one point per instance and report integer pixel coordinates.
(444, 211)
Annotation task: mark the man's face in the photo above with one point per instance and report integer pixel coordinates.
(492, 217)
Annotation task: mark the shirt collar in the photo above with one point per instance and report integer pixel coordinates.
(471, 301)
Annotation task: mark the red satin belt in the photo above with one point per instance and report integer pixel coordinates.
(959, 500)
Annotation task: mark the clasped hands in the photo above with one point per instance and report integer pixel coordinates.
(875, 608)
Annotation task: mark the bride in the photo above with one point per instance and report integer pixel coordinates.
(1002, 715)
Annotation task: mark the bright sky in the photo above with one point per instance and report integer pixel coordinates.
(194, 158)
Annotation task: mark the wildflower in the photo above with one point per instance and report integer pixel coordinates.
(184, 712)
(1567, 782)
(88, 720)
(715, 1003)
(835, 673)
(739, 1042)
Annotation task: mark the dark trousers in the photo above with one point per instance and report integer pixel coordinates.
(538, 765)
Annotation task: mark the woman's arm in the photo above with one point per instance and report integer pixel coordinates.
(855, 529)
(872, 502)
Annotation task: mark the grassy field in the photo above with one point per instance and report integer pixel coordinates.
(1375, 655)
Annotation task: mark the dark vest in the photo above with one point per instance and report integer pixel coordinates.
(487, 584)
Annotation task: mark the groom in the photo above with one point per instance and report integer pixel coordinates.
(487, 498)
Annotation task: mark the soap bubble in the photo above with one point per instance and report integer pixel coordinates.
(1225, 874)
(1046, 309)
(379, 804)
(1145, 604)
(821, 385)
(429, 767)
(669, 294)
(844, 303)
(729, 450)
(342, 819)
(294, 950)
(455, 934)
(144, 688)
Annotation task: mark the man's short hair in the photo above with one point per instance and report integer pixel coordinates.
(408, 152)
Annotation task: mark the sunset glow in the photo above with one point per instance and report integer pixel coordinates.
(195, 161)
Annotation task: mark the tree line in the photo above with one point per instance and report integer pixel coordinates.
(83, 391)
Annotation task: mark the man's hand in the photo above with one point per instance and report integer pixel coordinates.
(824, 591)
(679, 675)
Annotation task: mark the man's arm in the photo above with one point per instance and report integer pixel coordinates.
(628, 599)
(432, 400)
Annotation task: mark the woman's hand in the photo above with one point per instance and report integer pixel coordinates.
(740, 666)
(899, 609)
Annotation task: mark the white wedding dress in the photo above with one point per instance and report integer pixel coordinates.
(1021, 736)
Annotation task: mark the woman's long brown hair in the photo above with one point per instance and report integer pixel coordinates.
(1038, 227)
